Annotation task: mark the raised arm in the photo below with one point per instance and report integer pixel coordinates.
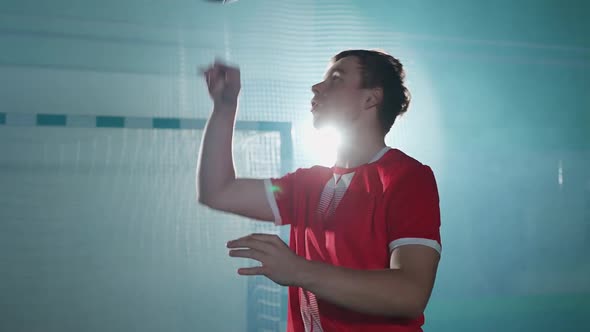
(217, 185)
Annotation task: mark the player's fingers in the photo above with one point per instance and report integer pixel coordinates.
(218, 61)
(232, 74)
(215, 79)
(252, 271)
(251, 242)
(247, 253)
(225, 68)
(206, 73)
(270, 238)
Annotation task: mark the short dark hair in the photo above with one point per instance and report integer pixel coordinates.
(380, 69)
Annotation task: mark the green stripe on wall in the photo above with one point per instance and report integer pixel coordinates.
(51, 120)
(110, 122)
(165, 123)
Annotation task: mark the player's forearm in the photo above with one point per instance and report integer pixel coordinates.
(378, 292)
(216, 167)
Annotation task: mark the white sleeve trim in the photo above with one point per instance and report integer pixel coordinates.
(414, 240)
(272, 201)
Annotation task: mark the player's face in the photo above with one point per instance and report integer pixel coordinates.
(338, 98)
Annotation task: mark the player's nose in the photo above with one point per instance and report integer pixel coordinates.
(317, 89)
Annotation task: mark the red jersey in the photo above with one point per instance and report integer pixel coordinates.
(354, 218)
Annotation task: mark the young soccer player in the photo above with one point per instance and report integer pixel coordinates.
(365, 242)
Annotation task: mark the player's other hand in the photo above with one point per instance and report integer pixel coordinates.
(277, 261)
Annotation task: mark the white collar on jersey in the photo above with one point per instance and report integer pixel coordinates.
(380, 154)
(342, 179)
(347, 177)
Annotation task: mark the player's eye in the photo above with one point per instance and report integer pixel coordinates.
(335, 77)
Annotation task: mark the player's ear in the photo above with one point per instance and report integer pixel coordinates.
(373, 98)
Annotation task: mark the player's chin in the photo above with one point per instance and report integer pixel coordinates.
(320, 120)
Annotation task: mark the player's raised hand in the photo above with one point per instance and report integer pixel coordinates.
(223, 82)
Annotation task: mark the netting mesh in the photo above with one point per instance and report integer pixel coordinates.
(104, 224)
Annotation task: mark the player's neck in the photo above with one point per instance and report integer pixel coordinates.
(356, 150)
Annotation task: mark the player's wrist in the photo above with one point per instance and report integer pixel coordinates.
(225, 106)
(304, 275)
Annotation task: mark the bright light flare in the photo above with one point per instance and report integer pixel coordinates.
(321, 144)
